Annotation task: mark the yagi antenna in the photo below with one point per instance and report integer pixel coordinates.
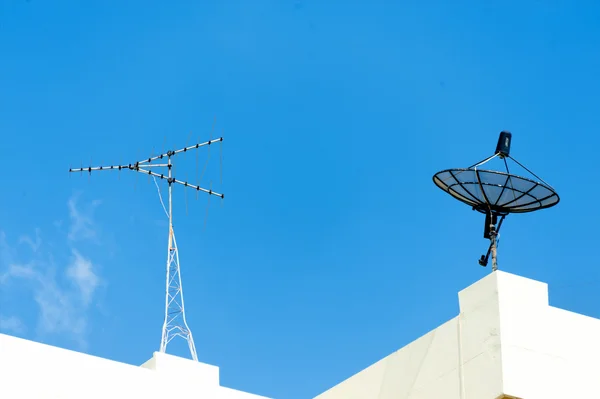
(495, 193)
(175, 324)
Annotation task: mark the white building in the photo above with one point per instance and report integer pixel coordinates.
(30, 370)
(507, 342)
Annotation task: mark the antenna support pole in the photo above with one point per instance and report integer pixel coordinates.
(491, 232)
(493, 247)
(175, 323)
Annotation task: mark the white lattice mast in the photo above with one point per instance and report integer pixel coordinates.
(175, 323)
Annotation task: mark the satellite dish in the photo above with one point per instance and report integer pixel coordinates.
(496, 193)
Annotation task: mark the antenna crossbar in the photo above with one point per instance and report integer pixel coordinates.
(184, 149)
(183, 183)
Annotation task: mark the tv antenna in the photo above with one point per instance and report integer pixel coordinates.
(175, 324)
(496, 194)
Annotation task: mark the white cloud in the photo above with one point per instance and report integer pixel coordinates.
(6, 257)
(12, 324)
(34, 245)
(62, 310)
(81, 272)
(63, 307)
(82, 223)
(18, 271)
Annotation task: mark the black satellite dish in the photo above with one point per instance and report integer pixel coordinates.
(495, 193)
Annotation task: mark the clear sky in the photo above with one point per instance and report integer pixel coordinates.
(333, 248)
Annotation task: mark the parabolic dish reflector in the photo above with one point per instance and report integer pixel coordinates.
(495, 193)
(498, 192)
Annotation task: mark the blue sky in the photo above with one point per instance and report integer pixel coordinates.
(333, 248)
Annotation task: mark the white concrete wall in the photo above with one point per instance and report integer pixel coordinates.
(547, 352)
(506, 342)
(33, 370)
(427, 368)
